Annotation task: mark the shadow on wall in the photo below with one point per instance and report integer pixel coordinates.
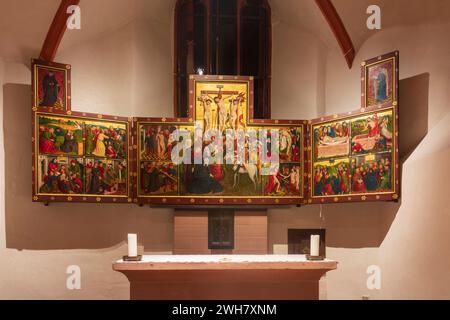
(61, 225)
(413, 113)
(413, 127)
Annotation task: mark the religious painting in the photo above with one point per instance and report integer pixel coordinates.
(381, 80)
(368, 171)
(106, 139)
(51, 85)
(220, 180)
(156, 142)
(284, 180)
(94, 158)
(372, 173)
(106, 177)
(225, 166)
(289, 142)
(372, 133)
(202, 179)
(60, 175)
(78, 156)
(332, 177)
(243, 180)
(331, 140)
(158, 178)
(60, 135)
(221, 104)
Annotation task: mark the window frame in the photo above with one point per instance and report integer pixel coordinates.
(265, 96)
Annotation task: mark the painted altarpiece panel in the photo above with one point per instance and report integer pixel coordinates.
(80, 157)
(84, 157)
(219, 103)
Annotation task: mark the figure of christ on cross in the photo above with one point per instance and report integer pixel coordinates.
(217, 118)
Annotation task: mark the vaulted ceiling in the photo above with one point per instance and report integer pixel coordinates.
(24, 23)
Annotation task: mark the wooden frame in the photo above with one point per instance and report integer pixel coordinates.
(302, 130)
(61, 74)
(352, 196)
(183, 199)
(389, 60)
(208, 65)
(87, 119)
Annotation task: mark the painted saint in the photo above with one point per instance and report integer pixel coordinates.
(50, 88)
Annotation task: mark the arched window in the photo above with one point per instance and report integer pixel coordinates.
(226, 37)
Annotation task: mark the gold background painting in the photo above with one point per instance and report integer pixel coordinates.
(229, 90)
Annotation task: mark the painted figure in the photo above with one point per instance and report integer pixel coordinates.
(47, 140)
(203, 181)
(381, 85)
(100, 148)
(51, 89)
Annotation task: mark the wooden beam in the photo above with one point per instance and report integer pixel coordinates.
(338, 28)
(56, 31)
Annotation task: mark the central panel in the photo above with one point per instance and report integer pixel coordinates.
(231, 162)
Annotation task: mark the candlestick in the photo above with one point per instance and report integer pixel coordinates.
(315, 245)
(132, 245)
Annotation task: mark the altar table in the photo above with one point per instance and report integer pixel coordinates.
(224, 277)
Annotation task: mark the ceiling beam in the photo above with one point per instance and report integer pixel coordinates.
(338, 28)
(56, 31)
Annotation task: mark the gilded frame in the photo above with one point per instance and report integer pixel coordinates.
(306, 160)
(177, 200)
(75, 197)
(393, 59)
(36, 65)
(394, 153)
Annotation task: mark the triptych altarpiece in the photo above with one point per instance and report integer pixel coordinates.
(85, 157)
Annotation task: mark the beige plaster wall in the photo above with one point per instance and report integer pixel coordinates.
(298, 72)
(129, 72)
(413, 252)
(407, 240)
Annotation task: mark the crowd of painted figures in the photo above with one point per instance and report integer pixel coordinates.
(160, 176)
(106, 142)
(354, 156)
(345, 178)
(79, 176)
(62, 178)
(77, 157)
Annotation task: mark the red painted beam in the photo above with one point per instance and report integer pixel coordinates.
(56, 31)
(338, 28)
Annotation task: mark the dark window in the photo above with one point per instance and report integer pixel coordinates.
(226, 37)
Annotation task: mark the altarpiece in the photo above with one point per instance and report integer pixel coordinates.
(84, 157)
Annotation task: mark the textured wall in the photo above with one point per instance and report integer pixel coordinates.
(129, 72)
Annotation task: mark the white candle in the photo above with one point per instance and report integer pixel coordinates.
(315, 244)
(132, 245)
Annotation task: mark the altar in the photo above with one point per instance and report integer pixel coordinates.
(224, 277)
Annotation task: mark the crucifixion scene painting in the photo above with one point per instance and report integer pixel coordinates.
(220, 107)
